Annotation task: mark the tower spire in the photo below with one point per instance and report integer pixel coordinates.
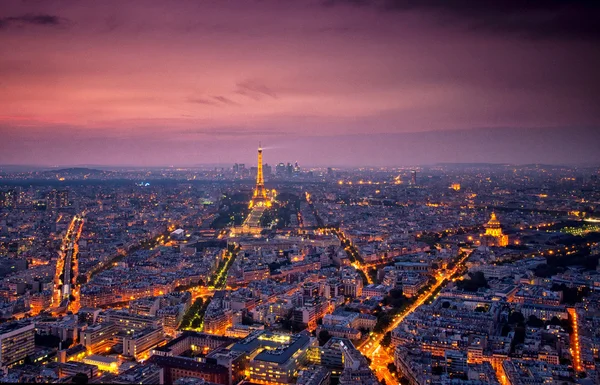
(260, 182)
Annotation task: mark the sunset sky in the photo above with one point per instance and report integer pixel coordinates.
(323, 82)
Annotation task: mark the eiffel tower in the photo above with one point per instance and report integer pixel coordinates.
(259, 198)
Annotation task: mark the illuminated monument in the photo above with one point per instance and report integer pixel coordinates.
(259, 197)
(261, 200)
(493, 232)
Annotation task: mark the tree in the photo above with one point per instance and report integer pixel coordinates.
(396, 293)
(192, 314)
(571, 295)
(565, 361)
(196, 322)
(387, 339)
(373, 274)
(535, 322)
(554, 321)
(383, 321)
(324, 336)
(404, 381)
(519, 335)
(437, 370)
(545, 271)
(395, 298)
(273, 266)
(566, 325)
(474, 282)
(516, 318)
(392, 368)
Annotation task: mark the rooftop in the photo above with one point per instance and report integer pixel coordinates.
(14, 326)
(277, 347)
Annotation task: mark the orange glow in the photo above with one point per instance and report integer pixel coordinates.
(575, 340)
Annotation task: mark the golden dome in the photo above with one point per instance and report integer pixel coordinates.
(493, 222)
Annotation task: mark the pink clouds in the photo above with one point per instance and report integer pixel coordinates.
(296, 69)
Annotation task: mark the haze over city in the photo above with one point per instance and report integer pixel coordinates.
(324, 82)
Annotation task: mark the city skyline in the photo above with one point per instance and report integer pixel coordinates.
(309, 192)
(472, 147)
(362, 276)
(324, 83)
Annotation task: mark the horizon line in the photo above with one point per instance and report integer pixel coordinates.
(199, 165)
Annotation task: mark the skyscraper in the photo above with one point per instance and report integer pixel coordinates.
(268, 170)
(413, 177)
(280, 169)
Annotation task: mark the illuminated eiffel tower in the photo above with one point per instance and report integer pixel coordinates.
(259, 198)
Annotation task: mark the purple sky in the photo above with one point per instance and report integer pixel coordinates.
(324, 82)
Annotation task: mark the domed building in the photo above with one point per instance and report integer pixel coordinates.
(493, 233)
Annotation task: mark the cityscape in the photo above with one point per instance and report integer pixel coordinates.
(355, 212)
